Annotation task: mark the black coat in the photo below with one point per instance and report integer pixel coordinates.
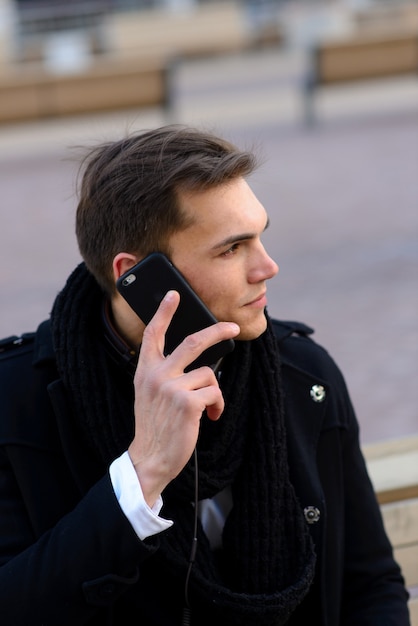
(69, 556)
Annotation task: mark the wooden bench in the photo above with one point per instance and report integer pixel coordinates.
(142, 50)
(208, 29)
(359, 58)
(31, 92)
(393, 468)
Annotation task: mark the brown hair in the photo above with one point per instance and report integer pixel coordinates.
(128, 195)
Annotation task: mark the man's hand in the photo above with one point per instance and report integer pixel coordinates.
(168, 402)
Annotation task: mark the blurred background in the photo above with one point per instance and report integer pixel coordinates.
(325, 92)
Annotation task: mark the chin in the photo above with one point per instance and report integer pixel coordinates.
(252, 331)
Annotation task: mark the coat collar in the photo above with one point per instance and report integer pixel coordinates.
(44, 348)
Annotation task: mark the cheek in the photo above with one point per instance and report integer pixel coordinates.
(216, 294)
(213, 296)
(216, 285)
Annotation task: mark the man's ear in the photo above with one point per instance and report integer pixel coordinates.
(122, 263)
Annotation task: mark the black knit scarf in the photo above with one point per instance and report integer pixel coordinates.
(267, 562)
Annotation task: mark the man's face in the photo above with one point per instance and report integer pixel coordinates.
(222, 256)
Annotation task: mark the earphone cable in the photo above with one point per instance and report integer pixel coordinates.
(186, 612)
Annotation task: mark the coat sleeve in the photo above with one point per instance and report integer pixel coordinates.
(361, 583)
(67, 554)
(79, 567)
(374, 591)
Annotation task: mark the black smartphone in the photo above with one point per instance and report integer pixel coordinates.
(146, 284)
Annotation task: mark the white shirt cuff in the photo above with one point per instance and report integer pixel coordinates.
(144, 519)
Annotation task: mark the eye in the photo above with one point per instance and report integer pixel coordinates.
(231, 250)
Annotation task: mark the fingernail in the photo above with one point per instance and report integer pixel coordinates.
(169, 295)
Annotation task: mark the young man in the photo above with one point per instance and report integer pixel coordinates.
(102, 435)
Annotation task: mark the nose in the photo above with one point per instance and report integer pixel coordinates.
(263, 268)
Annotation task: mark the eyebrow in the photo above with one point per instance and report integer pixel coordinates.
(236, 238)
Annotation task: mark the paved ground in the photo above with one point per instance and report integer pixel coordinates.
(343, 201)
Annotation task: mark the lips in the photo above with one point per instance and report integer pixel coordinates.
(260, 301)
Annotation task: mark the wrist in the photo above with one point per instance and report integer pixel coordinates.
(150, 478)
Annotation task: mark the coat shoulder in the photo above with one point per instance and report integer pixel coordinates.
(19, 355)
(298, 348)
(27, 367)
(285, 328)
(15, 345)
(16, 356)
(305, 360)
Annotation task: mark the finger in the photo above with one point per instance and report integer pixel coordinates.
(154, 334)
(196, 343)
(204, 386)
(213, 401)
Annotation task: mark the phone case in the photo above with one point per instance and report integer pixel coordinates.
(145, 285)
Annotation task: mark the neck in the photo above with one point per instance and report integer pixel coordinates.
(126, 322)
